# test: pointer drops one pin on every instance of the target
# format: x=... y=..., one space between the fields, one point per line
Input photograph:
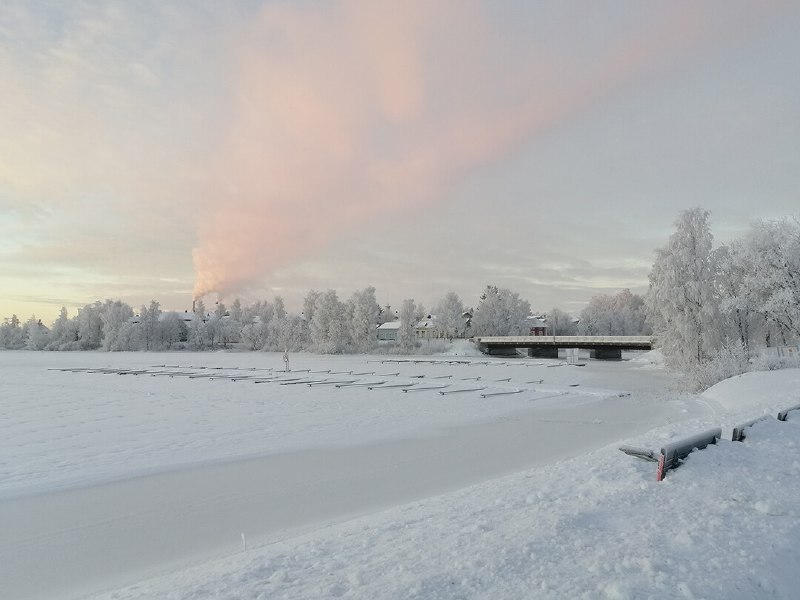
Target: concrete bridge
x=608 y=347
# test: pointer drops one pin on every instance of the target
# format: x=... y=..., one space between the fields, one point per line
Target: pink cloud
x=348 y=110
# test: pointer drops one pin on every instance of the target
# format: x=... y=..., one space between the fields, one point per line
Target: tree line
x=326 y=324
x=710 y=310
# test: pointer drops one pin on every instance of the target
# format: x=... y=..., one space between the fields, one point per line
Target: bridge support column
x=606 y=353
x=543 y=352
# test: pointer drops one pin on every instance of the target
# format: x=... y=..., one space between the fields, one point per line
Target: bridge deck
x=623 y=342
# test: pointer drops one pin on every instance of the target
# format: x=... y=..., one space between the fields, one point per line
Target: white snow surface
x=151 y=486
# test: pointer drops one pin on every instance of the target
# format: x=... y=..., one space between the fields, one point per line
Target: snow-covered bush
x=731 y=360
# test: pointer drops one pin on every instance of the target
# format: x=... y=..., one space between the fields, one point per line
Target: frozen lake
x=113 y=476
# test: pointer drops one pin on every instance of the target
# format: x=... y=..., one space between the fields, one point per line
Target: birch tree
x=364 y=320
x=114 y=316
x=501 y=312
x=621 y=314
x=772 y=282
x=327 y=329
x=682 y=303
x=36 y=334
x=407 y=334
x=450 y=316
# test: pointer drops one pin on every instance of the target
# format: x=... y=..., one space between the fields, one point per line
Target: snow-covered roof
x=535 y=321
x=427 y=322
x=390 y=325
x=186 y=316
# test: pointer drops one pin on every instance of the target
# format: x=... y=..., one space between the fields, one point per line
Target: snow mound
x=759 y=391
x=462 y=348
x=653 y=358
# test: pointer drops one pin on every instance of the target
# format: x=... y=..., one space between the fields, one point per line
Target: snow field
x=725 y=524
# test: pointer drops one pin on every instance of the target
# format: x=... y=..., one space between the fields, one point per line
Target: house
x=426 y=328
x=388 y=331
x=185 y=316
x=538 y=326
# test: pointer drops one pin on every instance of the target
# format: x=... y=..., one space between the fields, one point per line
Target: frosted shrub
x=772 y=361
x=729 y=361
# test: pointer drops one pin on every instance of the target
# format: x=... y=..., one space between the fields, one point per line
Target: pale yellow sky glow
x=161 y=150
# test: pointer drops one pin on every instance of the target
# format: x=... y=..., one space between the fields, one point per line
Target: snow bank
x=653 y=358
x=462 y=348
x=757 y=392
x=724 y=525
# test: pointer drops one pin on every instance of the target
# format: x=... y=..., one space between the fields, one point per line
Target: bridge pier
x=543 y=352
x=499 y=351
x=606 y=353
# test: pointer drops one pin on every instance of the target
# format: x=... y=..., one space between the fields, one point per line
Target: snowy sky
x=252 y=148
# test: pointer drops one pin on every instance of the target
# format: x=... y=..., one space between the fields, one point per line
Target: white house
x=388 y=331
x=426 y=328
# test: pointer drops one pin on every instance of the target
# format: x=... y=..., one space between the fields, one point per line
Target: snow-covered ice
x=66 y=429
x=110 y=480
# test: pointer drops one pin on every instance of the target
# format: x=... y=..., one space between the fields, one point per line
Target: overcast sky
x=165 y=149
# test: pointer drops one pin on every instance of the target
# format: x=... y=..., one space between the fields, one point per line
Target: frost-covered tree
x=36 y=334
x=682 y=303
x=772 y=280
x=420 y=312
x=407 y=334
x=280 y=309
x=276 y=330
x=149 y=323
x=737 y=303
x=621 y=314
x=171 y=331
x=251 y=336
x=561 y=323
x=200 y=308
x=450 y=316
x=364 y=320
x=130 y=337
x=262 y=311
x=11 y=335
x=287 y=333
x=256 y=320
x=632 y=314
x=63 y=333
x=328 y=329
x=213 y=329
x=197 y=335
x=58 y=330
x=387 y=315
x=114 y=316
x=229 y=331
x=500 y=312
x=90 y=326
x=309 y=302
x=237 y=312
x=599 y=317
